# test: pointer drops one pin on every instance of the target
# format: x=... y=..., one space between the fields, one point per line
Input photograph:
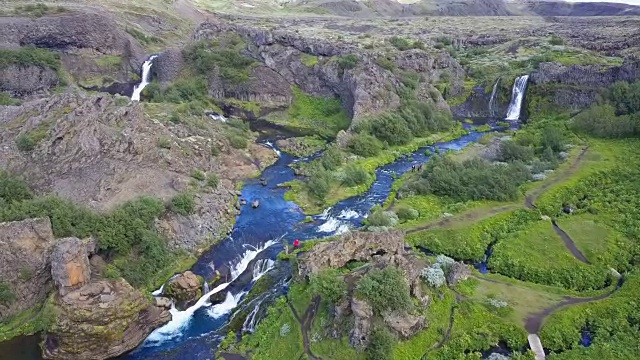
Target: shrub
x=330 y=285
x=434 y=276
x=510 y=151
x=347 y=62
x=355 y=175
x=30 y=56
x=183 y=204
x=386 y=63
x=364 y=145
x=391 y=129
x=7 y=297
x=319 y=184
x=237 y=141
x=444 y=262
x=332 y=159
x=5 y=99
x=13 y=189
x=174 y=117
x=164 y=143
x=198 y=175
x=406 y=213
x=380 y=218
x=285 y=329
x=400 y=43
x=207 y=55
x=553 y=138
x=213 y=181
x=25 y=143
x=556 y=40
x=384 y=289
x=381 y=344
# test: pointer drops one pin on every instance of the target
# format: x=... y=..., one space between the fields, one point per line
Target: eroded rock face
x=458 y=272
x=359 y=245
x=25 y=247
x=362 y=315
x=21 y=80
x=403 y=324
x=184 y=288
x=101 y=320
x=70 y=266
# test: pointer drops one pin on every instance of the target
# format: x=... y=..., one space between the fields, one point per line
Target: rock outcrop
x=25 y=248
x=403 y=324
x=359 y=245
x=362 y=316
x=21 y=80
x=184 y=288
x=101 y=320
x=578 y=86
x=457 y=273
x=70 y=266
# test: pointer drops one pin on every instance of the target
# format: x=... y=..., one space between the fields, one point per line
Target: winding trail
x=305 y=323
x=569 y=243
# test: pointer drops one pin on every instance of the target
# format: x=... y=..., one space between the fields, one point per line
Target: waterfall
x=229 y=303
x=249 y=324
x=261 y=267
x=205 y=287
x=145 y=78
x=272 y=147
x=492 y=101
x=159 y=291
x=517 y=94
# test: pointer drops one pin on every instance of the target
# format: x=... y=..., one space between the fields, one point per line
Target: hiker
x=296 y=243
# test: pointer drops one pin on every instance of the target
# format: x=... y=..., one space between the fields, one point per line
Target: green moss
x=30 y=56
x=308 y=59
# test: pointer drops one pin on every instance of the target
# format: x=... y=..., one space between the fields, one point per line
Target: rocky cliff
x=25 y=248
x=575 y=87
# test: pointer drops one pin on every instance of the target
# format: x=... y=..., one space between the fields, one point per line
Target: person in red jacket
x=296 y=243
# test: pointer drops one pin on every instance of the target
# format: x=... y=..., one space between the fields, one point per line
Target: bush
x=553 y=138
x=237 y=141
x=213 y=181
x=319 y=184
x=474 y=179
x=355 y=175
x=380 y=218
x=434 y=276
x=556 y=40
x=164 y=143
x=385 y=63
x=13 y=189
x=602 y=121
x=331 y=159
x=7 y=297
x=25 y=143
x=385 y=289
x=381 y=343
x=330 y=285
x=364 y=145
x=406 y=213
x=207 y=55
x=400 y=43
x=198 y=175
x=347 y=61
x=392 y=129
x=30 y=56
x=183 y=204
x=174 y=117
x=5 y=99
x=510 y=151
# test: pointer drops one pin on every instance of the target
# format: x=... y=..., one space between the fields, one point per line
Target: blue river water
x=255 y=240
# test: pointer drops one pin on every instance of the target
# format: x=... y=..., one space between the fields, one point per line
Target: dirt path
x=305 y=323
x=568 y=243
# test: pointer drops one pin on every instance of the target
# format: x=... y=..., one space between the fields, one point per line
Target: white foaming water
x=261 y=267
x=269 y=144
x=517 y=94
x=348 y=214
x=325 y=214
x=492 y=100
x=205 y=287
x=229 y=303
x=179 y=319
x=159 y=291
x=343 y=229
x=144 y=79
x=249 y=324
x=331 y=225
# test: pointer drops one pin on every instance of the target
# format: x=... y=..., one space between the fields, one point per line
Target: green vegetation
x=384 y=290
x=38 y=10
x=7 y=297
x=347 y=62
x=308 y=59
x=6 y=99
x=27 y=141
x=183 y=204
x=143 y=38
x=315 y=115
x=403 y=44
x=30 y=56
x=330 y=285
x=224 y=55
x=381 y=344
x=28 y=322
x=126 y=235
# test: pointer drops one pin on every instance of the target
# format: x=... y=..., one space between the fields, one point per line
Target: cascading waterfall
x=205 y=287
x=492 y=101
x=229 y=303
x=249 y=324
x=261 y=267
x=272 y=147
x=517 y=94
x=145 y=78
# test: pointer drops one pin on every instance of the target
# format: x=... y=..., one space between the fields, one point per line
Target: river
x=256 y=238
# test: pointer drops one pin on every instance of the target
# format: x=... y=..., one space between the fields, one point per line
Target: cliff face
x=25 y=247
x=575 y=87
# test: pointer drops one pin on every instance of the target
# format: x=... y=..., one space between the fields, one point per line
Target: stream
x=249 y=252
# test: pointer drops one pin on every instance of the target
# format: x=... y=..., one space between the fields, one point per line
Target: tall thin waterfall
x=517 y=94
x=492 y=101
x=145 y=78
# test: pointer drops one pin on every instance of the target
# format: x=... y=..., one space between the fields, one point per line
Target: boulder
x=255 y=203
x=403 y=324
x=458 y=272
x=101 y=320
x=162 y=302
x=184 y=288
x=359 y=245
x=362 y=316
x=25 y=248
x=70 y=266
